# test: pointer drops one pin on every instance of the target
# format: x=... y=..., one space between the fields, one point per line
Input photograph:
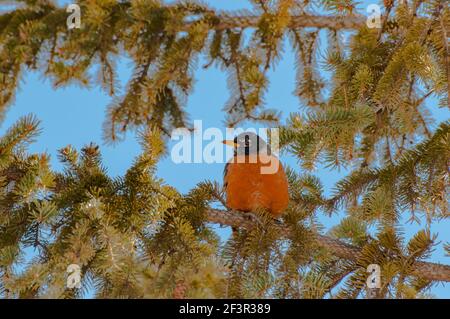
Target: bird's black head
x=248 y=143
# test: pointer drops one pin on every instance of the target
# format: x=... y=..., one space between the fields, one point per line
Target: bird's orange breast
x=247 y=189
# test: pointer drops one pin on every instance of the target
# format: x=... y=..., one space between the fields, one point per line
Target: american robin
x=247 y=186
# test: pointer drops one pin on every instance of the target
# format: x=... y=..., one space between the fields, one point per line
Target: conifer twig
x=426 y=270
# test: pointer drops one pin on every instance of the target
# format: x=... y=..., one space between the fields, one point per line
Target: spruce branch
x=424 y=270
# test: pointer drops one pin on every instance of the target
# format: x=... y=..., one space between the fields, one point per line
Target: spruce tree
x=137 y=237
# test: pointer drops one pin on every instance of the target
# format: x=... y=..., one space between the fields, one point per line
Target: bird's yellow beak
x=229 y=143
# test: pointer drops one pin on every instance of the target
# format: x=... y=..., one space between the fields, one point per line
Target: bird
x=246 y=187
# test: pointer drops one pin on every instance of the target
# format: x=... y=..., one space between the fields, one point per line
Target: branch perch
x=426 y=270
x=298 y=21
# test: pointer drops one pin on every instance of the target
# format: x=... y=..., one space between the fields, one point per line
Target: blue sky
x=74 y=116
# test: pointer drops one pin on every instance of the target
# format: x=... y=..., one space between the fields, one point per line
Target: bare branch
x=425 y=270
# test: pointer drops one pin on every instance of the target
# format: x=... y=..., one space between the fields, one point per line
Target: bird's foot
x=252 y=217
